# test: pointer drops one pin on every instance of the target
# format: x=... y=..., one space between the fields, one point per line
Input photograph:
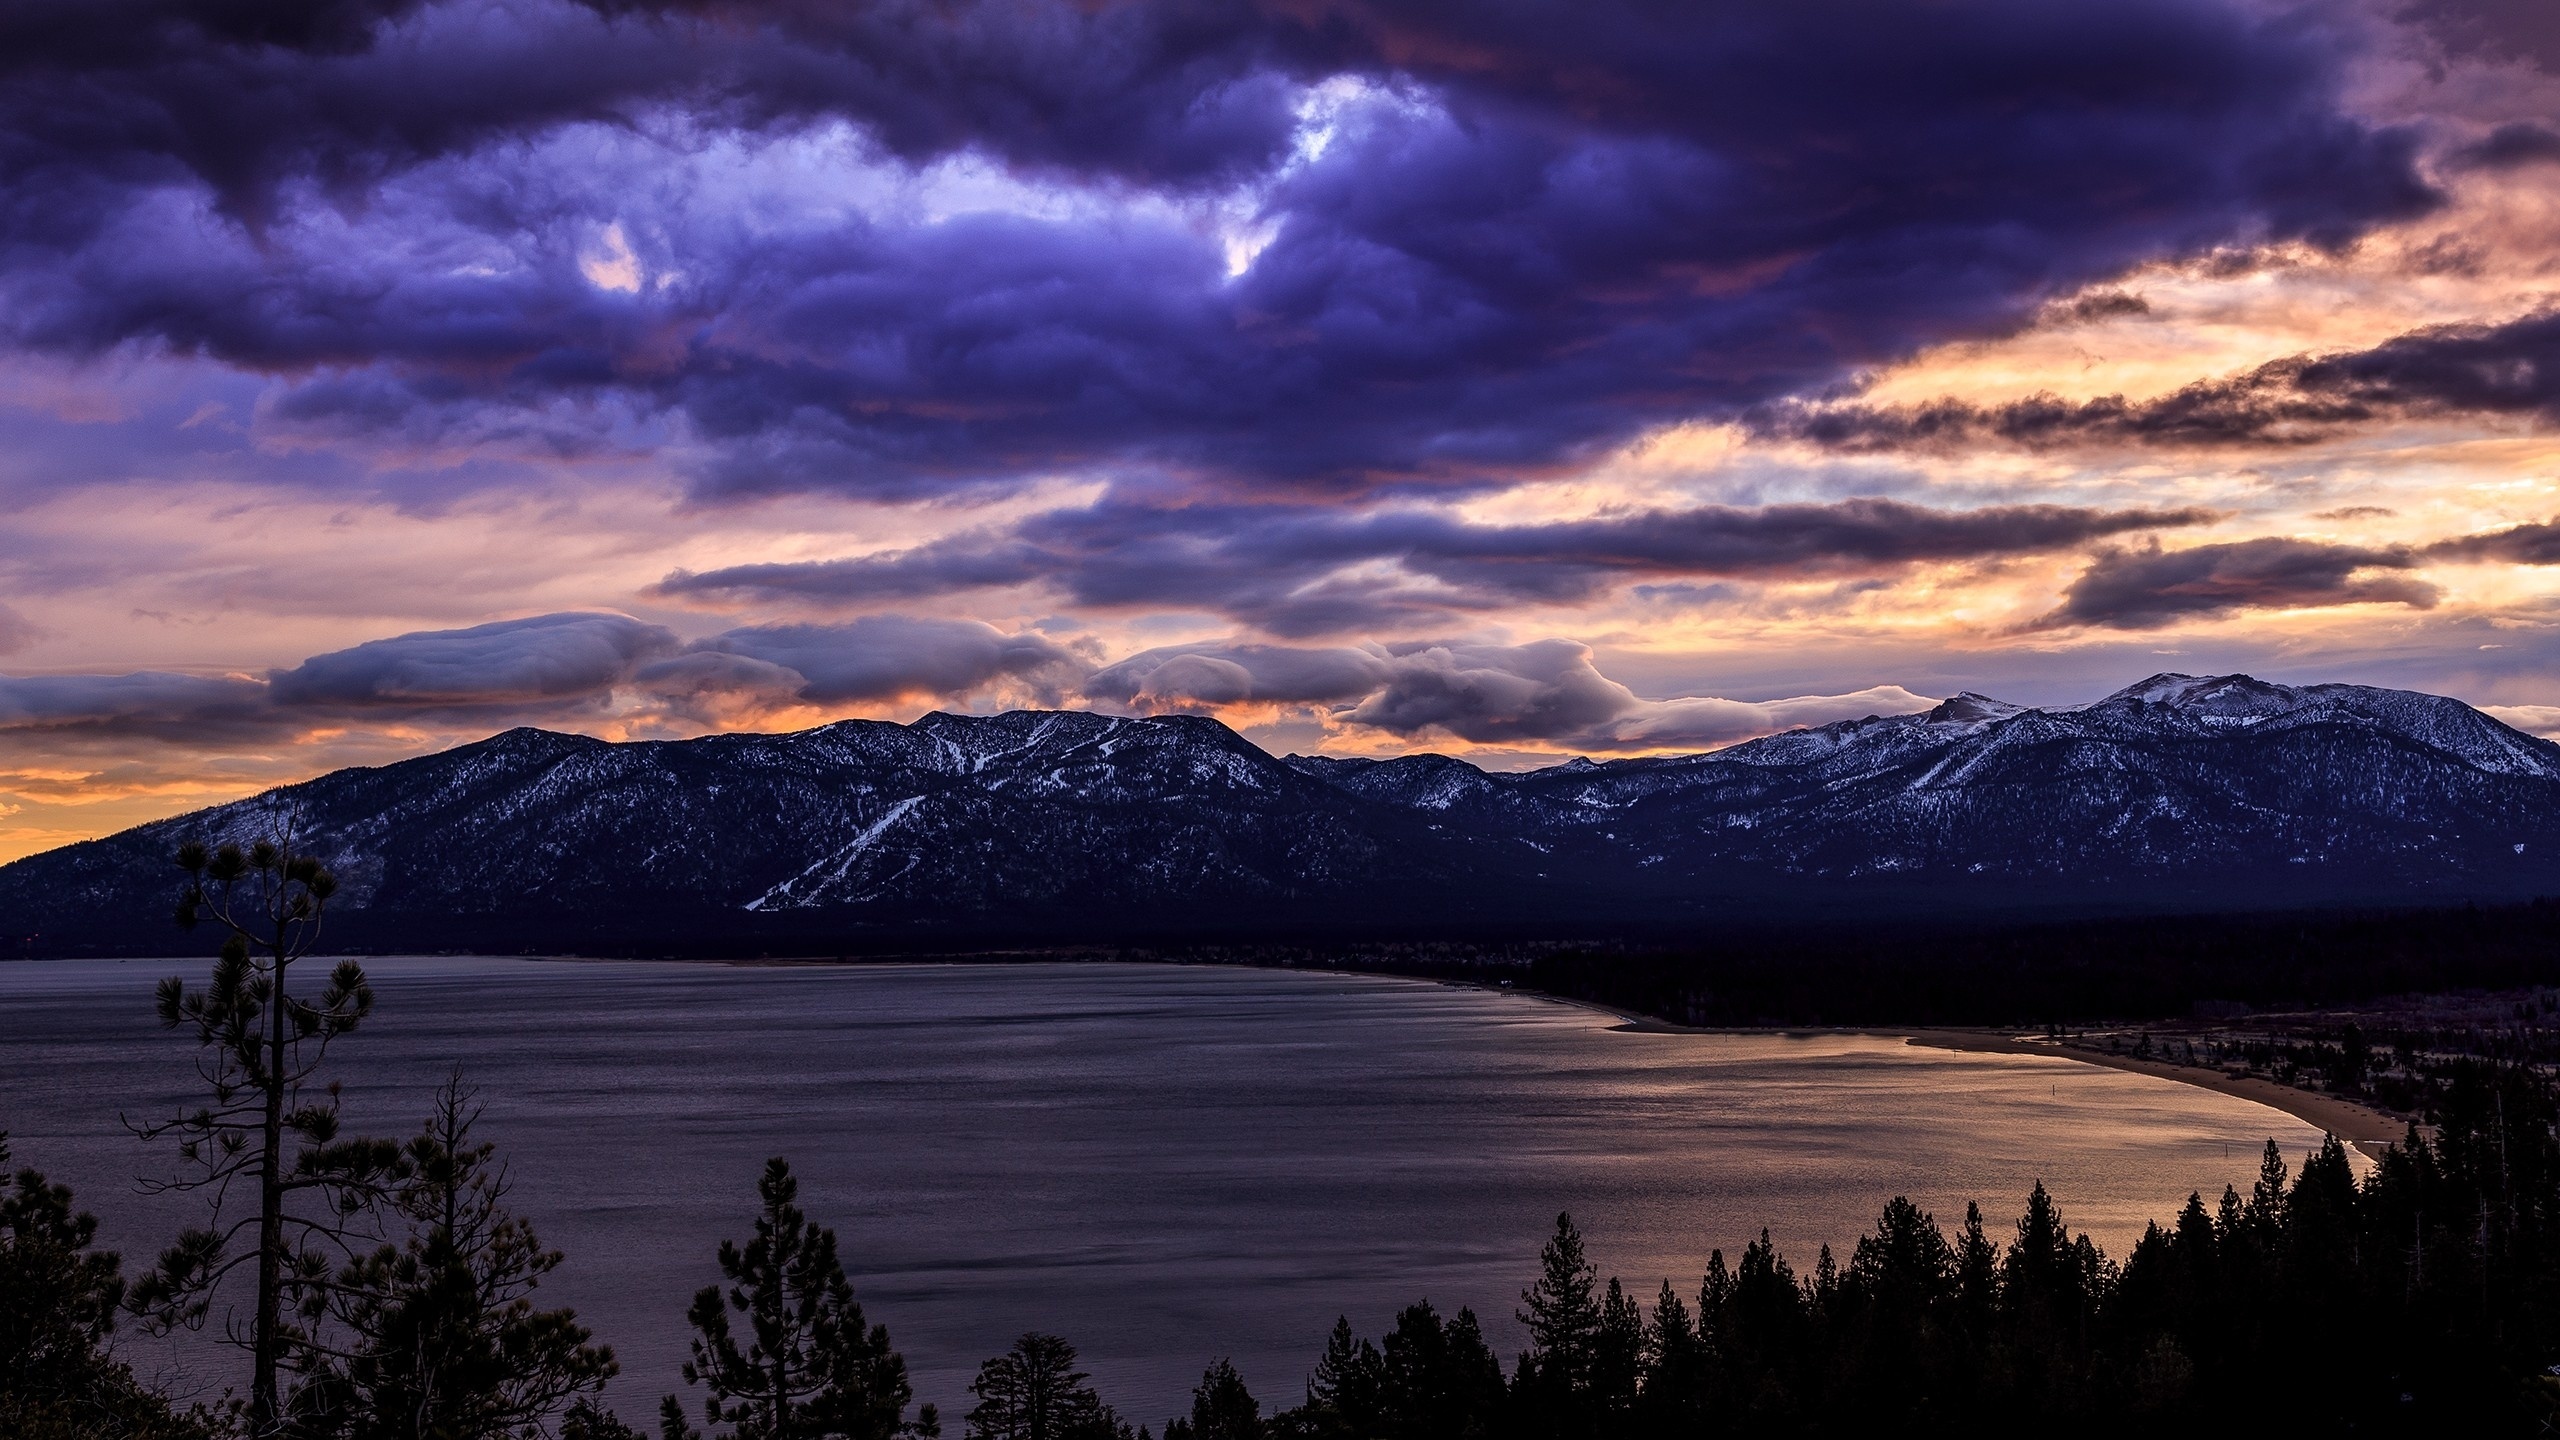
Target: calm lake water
x=1163 y=1164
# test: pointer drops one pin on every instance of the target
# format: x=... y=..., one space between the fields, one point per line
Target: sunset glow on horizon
x=1508 y=382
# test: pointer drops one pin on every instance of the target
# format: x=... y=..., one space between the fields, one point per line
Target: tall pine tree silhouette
x=1563 y=1313
x=808 y=1368
x=262 y=1047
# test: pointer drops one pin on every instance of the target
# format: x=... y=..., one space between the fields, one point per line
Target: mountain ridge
x=2165 y=793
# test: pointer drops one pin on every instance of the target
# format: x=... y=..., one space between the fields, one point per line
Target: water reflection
x=1164 y=1164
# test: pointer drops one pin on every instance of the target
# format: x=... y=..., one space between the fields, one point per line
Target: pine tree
x=2267 y=1199
x=1768 y=1305
x=263 y=1048
x=1343 y=1394
x=1977 y=1272
x=1439 y=1379
x=1893 y=1310
x=1035 y=1392
x=1822 y=1296
x=2044 y=1277
x=1221 y=1409
x=1617 y=1370
x=1906 y=1267
x=1715 y=1309
x=587 y=1420
x=809 y=1369
x=1562 y=1311
x=1673 y=1398
x=443 y=1337
x=58 y=1305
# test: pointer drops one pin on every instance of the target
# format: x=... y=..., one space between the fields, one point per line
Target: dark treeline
x=2066 y=972
x=384 y=1291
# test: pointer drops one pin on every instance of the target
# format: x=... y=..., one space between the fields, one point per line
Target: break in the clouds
x=2506 y=370
x=888 y=248
x=1299 y=571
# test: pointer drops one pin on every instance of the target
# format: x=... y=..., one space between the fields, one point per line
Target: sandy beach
x=2368 y=1129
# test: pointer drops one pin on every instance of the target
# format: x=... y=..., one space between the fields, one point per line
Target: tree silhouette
x=1221 y=1409
x=1342 y=1394
x=1035 y=1392
x=445 y=1340
x=58 y=1301
x=809 y=1369
x=1442 y=1381
x=260 y=1049
x=1562 y=1311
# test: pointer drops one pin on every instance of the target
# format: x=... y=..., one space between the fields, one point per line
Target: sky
x=1503 y=379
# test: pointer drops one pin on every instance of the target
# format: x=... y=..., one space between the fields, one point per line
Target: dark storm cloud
x=1538 y=230
x=542 y=658
x=2509 y=369
x=2509 y=147
x=1306 y=571
x=2526 y=30
x=2146 y=589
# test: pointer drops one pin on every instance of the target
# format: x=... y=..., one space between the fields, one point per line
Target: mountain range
x=2179 y=792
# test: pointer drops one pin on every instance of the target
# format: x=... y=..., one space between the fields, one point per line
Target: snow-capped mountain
x=2174 y=790
x=2175 y=778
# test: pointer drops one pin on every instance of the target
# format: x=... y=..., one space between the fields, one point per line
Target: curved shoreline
x=2368 y=1129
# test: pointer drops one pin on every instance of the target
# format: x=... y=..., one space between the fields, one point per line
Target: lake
x=1164 y=1164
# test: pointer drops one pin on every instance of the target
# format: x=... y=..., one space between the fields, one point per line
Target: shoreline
x=2368 y=1129
x=2365 y=1128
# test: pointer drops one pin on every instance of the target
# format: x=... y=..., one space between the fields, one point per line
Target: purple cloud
x=511 y=662
x=2509 y=147
x=2531 y=544
x=1546 y=692
x=886 y=657
x=17 y=632
x=2147 y=589
x=1307 y=571
x=1216 y=673
x=2509 y=369
x=1483 y=242
x=149 y=702
x=552 y=669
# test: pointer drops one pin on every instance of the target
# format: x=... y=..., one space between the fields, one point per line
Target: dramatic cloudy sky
x=1516 y=379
